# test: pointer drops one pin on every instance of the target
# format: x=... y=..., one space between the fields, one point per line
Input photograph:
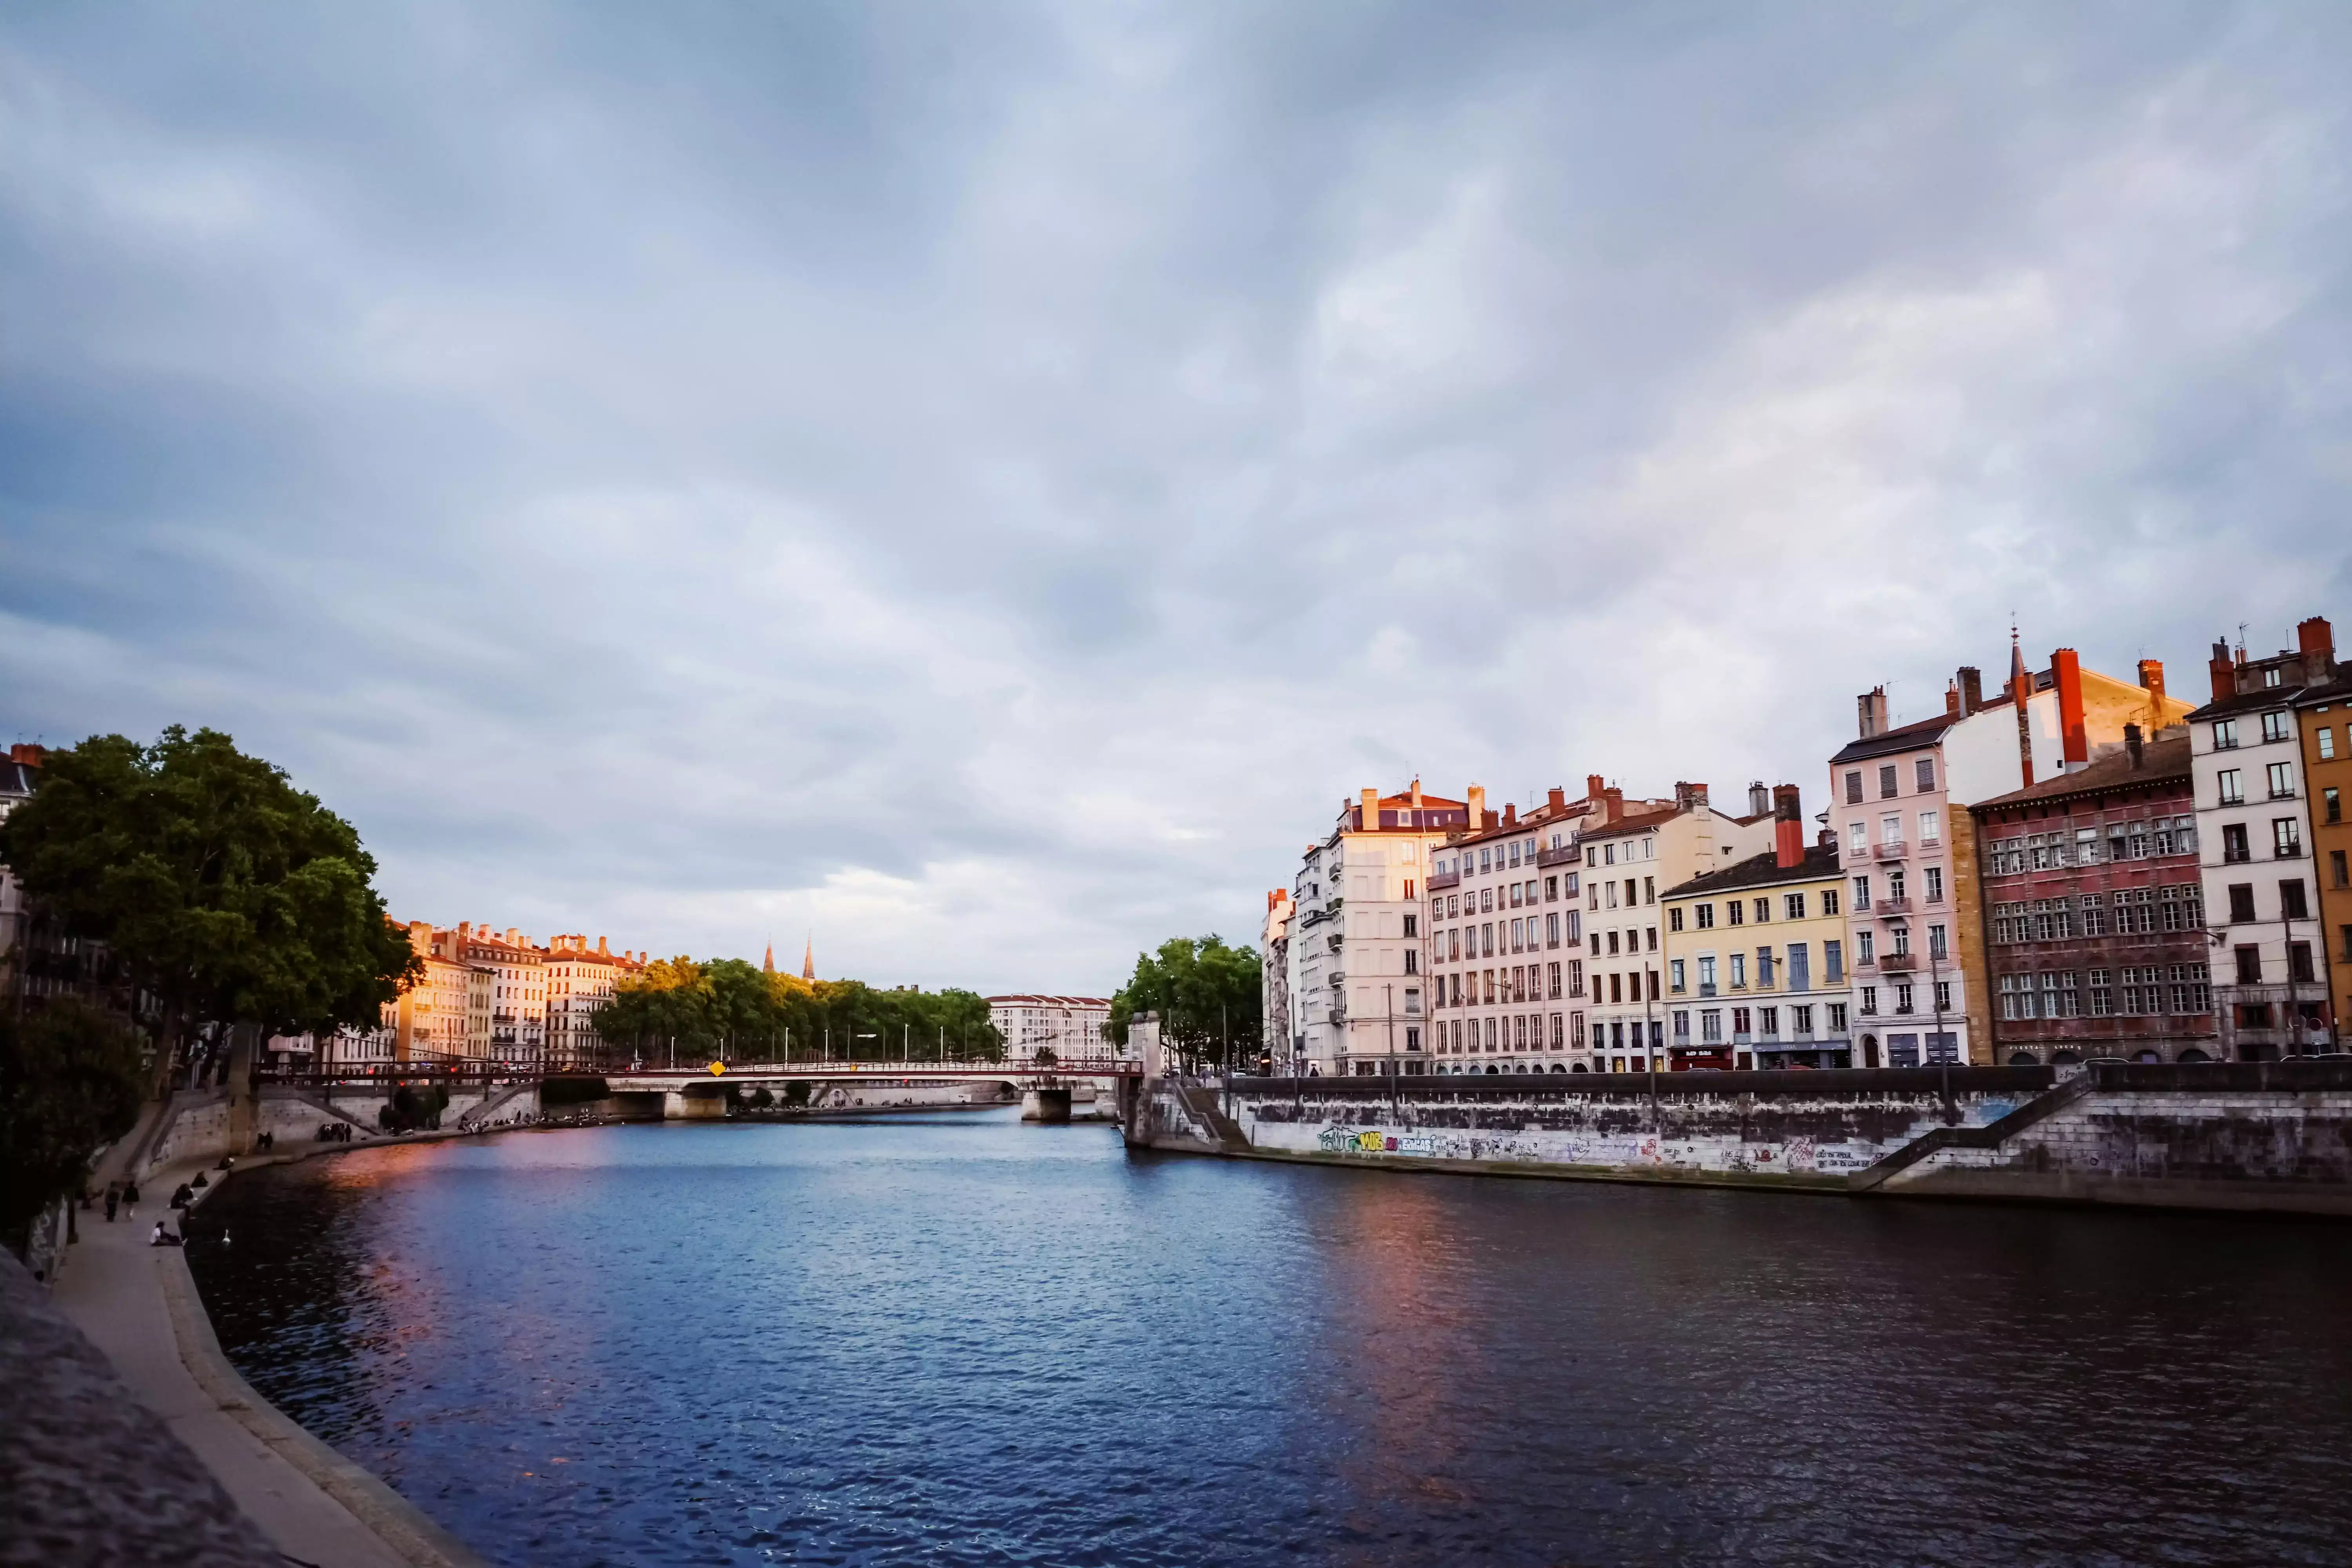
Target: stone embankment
x=2256 y=1136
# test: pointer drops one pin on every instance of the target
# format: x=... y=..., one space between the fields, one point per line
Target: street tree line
x=1207 y=996
x=682 y=1010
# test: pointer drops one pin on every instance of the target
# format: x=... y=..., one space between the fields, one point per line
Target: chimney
x=27 y=752
x=1972 y=689
x=1788 y=828
x=420 y=936
x=1510 y=815
x=1477 y=807
x=2066 y=672
x=1689 y=797
x=1952 y=700
x=1759 y=799
x=1613 y=805
x=1872 y=708
x=2151 y=678
x=2225 y=673
x=601 y=948
x=2315 y=640
x=2132 y=744
x=1367 y=811
x=1556 y=799
x=1592 y=786
x=514 y=937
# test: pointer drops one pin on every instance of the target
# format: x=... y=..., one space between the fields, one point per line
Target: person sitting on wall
x=228 y=1162
x=200 y=1183
x=162 y=1237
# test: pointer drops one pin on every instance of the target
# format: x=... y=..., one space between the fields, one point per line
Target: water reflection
x=971 y=1341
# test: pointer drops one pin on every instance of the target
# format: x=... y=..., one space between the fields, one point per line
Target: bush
x=70 y=1083
x=796 y=1092
x=761 y=1098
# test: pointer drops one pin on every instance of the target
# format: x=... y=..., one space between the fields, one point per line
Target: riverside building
x=1898 y=800
x=1355 y=941
x=579 y=979
x=1630 y=856
x=1069 y=1027
x=2324 y=712
x=1755 y=956
x=1503 y=947
x=1273 y=974
x=2254 y=831
x=2093 y=910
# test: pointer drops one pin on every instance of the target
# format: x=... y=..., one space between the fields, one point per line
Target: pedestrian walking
x=113 y=1199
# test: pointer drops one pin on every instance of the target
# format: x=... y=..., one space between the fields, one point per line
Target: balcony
x=1894 y=849
x=1885 y=907
x=1441 y=880
x=1898 y=962
x=1707 y=987
x=1569 y=857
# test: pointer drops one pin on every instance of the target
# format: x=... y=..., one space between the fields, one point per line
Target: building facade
x=1755 y=957
x=2323 y=713
x=579 y=979
x=1273 y=976
x=1898 y=800
x=2093 y=911
x=516 y=1018
x=1069 y=1027
x=1356 y=942
x=1503 y=945
x=2255 y=833
x=1631 y=856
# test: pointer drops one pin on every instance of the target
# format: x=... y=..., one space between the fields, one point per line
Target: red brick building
x=2095 y=927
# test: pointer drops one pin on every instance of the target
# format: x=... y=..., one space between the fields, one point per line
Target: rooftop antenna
x=2242 y=637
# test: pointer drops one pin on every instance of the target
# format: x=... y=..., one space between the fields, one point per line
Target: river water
x=960 y=1340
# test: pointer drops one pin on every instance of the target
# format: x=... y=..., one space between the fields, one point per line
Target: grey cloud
x=987 y=482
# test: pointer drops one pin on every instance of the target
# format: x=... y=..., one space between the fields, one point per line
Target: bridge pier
x=1048 y=1105
x=679 y=1105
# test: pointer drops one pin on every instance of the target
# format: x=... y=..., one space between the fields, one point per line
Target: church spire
x=808 y=959
x=768 y=964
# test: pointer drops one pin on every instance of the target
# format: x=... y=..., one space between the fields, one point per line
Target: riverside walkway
x=138 y=1304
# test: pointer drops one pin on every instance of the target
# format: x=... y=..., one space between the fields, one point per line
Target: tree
x=226 y=894
x=1207 y=996
x=69 y=1084
x=728 y=1008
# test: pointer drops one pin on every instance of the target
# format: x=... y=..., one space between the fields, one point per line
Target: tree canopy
x=1208 y=998
x=223 y=891
x=69 y=1083
x=727 y=1008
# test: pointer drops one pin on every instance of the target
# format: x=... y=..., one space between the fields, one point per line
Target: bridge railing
x=1084 y=1067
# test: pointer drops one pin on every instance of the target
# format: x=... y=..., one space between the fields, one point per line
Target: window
x=1675 y=917
x=1551 y=930
x=1936 y=947
x=2326 y=743
x=1833 y=960
x=2234 y=844
x=2275 y=727
x=2282 y=781
x=1710 y=1024
x=1829 y=901
x=1736 y=911
x=1861 y=895
x=2182 y=906
x=1837 y=1018
x=2298 y=963
x=1764 y=968
x=2232 y=787
x=1854 y=787
x=1869 y=1002
x=1739 y=972
x=1707 y=974
x=1931 y=826
x=1866 y=948
x=1706 y=916
x=1857 y=838
x=1412 y=925
x=2225 y=734
x=2101 y=993
x=1412 y=963
x=2337 y=870
x=2241 y=903
x=1890 y=829
x=1924 y=772
x=2331 y=805
x=1649 y=890
x=1792 y=906
x=2191 y=988
x=1935 y=875
x=1674 y=975
x=2250 y=965
x=2286 y=837
x=1943 y=996
x=1763 y=911
x=2292 y=905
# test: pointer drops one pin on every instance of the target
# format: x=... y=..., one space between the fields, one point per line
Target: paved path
x=138 y=1304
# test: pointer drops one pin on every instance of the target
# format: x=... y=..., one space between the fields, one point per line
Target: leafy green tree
x=1207 y=996
x=726 y=1008
x=222 y=891
x=69 y=1084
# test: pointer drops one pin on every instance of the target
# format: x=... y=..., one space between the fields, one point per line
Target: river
x=960 y=1340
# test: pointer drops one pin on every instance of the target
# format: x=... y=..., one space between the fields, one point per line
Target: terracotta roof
x=1537 y=816
x=2162 y=762
x=1632 y=822
x=2253 y=701
x=1902 y=738
x=1764 y=870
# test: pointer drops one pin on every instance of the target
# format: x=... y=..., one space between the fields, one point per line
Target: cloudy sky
x=983 y=482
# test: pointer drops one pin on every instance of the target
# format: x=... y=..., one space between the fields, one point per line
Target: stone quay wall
x=2273 y=1136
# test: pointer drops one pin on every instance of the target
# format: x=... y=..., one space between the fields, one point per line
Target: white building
x=2253 y=837
x=1069 y=1027
x=1356 y=945
x=1274 y=976
x=579 y=979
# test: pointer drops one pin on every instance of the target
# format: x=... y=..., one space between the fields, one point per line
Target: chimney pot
x=1477 y=794
x=1972 y=689
x=2315 y=640
x=2151 y=678
x=1557 y=799
x=2067 y=674
x=1871 y=709
x=1510 y=815
x=1593 y=784
x=1788 y=826
x=1367 y=811
x=2132 y=744
x=1613 y=805
x=1759 y=799
x=2224 y=672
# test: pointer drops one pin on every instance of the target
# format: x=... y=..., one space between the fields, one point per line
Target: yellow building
x=1756 y=965
x=2323 y=715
